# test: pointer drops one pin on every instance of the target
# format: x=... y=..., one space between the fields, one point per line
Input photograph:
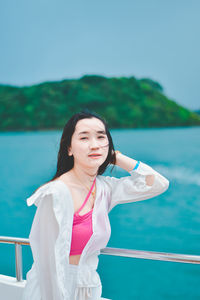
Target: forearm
x=128 y=164
x=125 y=162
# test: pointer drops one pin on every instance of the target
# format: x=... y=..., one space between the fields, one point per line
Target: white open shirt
x=51 y=231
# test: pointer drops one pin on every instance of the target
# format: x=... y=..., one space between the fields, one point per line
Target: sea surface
x=169 y=222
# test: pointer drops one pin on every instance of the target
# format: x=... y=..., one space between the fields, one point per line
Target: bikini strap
x=88 y=195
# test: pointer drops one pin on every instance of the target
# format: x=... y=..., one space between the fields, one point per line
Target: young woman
x=71 y=223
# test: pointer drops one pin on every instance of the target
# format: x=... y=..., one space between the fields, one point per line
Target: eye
x=102 y=136
x=83 y=138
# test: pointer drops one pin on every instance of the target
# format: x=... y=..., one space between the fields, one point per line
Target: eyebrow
x=85 y=132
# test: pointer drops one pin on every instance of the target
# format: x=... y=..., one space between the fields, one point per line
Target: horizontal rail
x=174 y=257
x=14 y=240
x=163 y=256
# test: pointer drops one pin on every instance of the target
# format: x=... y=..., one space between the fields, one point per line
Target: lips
x=94 y=154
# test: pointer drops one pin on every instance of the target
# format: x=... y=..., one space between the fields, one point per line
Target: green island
x=125 y=102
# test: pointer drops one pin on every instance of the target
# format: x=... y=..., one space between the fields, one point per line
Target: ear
x=69 y=151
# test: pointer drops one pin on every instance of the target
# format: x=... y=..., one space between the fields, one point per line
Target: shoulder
x=104 y=181
x=101 y=179
x=53 y=188
x=105 y=178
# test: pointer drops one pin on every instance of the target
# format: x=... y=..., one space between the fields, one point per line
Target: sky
x=46 y=40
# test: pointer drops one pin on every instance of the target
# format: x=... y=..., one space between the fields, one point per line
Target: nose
x=94 y=143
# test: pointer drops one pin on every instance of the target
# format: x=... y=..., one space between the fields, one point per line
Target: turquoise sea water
x=167 y=223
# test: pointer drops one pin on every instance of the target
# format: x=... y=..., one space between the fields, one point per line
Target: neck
x=84 y=175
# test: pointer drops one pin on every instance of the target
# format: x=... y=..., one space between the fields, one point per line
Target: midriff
x=74 y=259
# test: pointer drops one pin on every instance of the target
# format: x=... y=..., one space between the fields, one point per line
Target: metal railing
x=174 y=257
x=18 y=252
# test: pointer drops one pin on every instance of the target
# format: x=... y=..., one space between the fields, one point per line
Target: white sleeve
x=43 y=235
x=134 y=188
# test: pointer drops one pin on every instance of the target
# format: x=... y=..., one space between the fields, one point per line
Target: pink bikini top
x=82 y=228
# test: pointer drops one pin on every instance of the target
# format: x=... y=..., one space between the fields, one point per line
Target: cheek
x=81 y=147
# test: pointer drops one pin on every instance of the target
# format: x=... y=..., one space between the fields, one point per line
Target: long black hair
x=66 y=162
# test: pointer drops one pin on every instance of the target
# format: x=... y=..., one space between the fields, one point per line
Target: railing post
x=18 y=261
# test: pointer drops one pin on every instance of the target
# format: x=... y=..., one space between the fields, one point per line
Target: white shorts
x=83 y=292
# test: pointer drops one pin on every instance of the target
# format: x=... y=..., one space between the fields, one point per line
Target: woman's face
x=89 y=138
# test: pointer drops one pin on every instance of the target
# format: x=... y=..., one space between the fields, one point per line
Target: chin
x=96 y=164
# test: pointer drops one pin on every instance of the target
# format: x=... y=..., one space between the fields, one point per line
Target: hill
x=125 y=102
